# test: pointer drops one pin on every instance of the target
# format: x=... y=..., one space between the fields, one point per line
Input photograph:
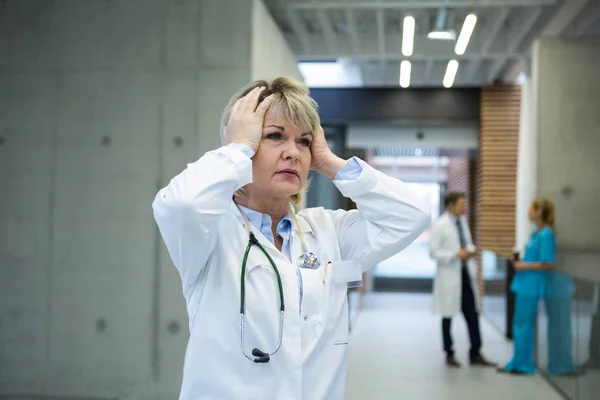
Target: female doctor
x=266 y=288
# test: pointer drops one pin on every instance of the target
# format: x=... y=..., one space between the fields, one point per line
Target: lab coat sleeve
x=388 y=218
x=190 y=207
x=436 y=246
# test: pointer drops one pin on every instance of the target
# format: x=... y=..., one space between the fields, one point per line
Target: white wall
x=455 y=137
x=526 y=169
x=272 y=57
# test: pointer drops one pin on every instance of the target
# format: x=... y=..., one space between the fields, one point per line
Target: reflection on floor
x=395 y=353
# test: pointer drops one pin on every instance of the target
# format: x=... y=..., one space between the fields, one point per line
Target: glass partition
x=567 y=351
x=494 y=270
x=568 y=337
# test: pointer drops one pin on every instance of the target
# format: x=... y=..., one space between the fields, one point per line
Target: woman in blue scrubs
x=530 y=285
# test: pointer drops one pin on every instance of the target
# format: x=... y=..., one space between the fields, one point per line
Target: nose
x=291 y=152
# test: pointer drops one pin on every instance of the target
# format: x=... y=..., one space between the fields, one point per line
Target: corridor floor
x=395 y=353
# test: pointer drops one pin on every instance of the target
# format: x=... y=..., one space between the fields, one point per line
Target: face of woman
x=534 y=214
x=281 y=164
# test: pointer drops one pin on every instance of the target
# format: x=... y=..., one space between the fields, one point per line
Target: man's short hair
x=451 y=198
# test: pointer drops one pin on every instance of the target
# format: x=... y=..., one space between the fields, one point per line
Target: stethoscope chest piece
x=308 y=260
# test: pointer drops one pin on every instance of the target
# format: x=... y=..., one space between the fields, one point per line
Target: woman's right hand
x=246 y=120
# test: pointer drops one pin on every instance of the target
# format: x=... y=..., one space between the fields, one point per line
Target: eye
x=305 y=142
x=273 y=136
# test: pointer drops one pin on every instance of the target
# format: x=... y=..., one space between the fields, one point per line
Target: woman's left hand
x=323 y=160
x=319 y=150
x=519 y=265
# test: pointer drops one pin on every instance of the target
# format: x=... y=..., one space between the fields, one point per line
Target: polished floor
x=395 y=353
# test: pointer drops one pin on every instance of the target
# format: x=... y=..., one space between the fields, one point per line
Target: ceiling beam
x=330 y=37
x=415 y=57
x=561 y=20
x=299 y=29
x=564 y=17
x=488 y=41
x=588 y=20
x=380 y=32
x=370 y=5
x=428 y=69
x=353 y=30
x=515 y=41
x=381 y=42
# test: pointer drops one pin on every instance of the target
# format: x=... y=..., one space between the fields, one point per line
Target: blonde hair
x=547 y=211
x=292 y=99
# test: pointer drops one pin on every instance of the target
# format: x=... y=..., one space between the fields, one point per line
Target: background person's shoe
x=503 y=370
x=451 y=362
x=478 y=360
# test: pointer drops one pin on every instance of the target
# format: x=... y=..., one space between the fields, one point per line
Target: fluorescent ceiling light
x=405 y=68
x=442 y=35
x=408 y=35
x=450 y=73
x=465 y=34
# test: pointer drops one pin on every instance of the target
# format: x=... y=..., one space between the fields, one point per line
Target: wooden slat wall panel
x=460 y=180
x=497 y=169
x=459 y=176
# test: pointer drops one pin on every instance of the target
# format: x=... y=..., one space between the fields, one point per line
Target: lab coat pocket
x=312 y=300
x=335 y=300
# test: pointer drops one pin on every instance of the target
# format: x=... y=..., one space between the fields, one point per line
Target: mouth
x=289 y=173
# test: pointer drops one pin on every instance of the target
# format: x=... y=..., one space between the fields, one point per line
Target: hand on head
x=246 y=119
x=319 y=150
x=246 y=126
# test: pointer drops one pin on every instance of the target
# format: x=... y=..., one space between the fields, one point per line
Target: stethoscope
x=306 y=260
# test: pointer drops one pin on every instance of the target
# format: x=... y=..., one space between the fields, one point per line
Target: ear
x=224 y=139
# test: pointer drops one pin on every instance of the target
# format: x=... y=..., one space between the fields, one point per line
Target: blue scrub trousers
x=560 y=358
x=524 y=333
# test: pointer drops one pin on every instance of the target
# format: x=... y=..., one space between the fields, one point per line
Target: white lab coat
x=206 y=239
x=447 y=284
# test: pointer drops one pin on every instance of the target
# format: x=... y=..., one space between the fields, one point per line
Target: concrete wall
x=101 y=103
x=567 y=104
x=271 y=55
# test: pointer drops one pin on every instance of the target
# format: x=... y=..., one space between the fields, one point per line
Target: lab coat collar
x=452 y=217
x=305 y=226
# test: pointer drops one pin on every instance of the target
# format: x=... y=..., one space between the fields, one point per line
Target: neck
x=539 y=224
x=274 y=207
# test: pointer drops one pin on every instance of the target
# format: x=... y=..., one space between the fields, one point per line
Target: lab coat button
x=305 y=317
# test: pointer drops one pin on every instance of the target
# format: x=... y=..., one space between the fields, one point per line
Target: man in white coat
x=455 y=284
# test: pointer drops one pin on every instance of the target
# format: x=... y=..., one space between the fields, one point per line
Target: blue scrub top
x=541 y=247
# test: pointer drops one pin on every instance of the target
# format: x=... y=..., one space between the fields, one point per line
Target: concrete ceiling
x=366 y=35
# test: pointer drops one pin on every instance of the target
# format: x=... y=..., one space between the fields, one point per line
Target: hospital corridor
x=396 y=353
